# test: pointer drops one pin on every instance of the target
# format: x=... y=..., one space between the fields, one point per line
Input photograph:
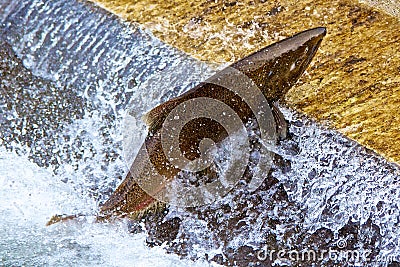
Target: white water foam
x=30 y=195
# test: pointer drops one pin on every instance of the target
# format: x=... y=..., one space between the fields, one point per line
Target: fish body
x=273 y=69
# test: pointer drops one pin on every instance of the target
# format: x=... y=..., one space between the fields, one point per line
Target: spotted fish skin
x=274 y=69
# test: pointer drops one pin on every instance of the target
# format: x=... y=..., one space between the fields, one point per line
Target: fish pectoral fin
x=150 y=118
x=156 y=116
x=281 y=123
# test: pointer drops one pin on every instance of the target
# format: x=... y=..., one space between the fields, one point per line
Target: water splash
x=63 y=101
x=68 y=71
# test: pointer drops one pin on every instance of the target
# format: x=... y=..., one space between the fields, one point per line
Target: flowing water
x=69 y=71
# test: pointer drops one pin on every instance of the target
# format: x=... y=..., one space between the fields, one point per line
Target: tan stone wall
x=390 y=6
x=353 y=84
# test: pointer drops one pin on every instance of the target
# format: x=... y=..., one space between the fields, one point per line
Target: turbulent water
x=68 y=73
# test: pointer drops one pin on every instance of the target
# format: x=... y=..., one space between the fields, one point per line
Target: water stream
x=69 y=70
